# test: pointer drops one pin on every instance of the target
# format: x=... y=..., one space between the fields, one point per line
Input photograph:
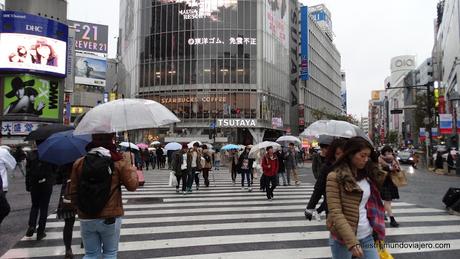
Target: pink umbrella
x=142 y=145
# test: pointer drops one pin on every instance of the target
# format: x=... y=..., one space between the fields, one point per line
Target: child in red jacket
x=270 y=169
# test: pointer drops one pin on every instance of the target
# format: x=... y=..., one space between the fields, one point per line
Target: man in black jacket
x=40 y=178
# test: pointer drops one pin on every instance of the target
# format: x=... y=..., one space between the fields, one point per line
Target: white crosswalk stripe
x=227 y=222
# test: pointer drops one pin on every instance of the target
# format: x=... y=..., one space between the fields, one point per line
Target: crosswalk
x=224 y=221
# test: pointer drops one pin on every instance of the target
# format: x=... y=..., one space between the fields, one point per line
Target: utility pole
x=429 y=122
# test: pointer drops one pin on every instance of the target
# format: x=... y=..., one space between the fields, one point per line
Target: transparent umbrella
x=334 y=128
x=123 y=115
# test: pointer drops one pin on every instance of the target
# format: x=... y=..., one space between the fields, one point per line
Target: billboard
x=278 y=20
x=304 y=43
x=90 y=70
x=32 y=44
x=33 y=96
x=90 y=37
x=375 y=95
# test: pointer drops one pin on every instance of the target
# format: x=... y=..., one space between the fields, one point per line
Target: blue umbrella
x=230 y=147
x=63 y=147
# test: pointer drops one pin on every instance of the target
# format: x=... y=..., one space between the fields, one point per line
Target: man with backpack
x=40 y=178
x=95 y=189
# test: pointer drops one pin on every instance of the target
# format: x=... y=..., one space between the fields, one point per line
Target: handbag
x=172 y=179
x=399 y=178
x=140 y=177
x=383 y=253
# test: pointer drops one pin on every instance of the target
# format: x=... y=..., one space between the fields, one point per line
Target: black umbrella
x=46 y=131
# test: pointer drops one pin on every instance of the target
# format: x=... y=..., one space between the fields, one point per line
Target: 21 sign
x=90 y=36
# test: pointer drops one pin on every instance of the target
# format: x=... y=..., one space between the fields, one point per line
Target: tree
x=392 y=137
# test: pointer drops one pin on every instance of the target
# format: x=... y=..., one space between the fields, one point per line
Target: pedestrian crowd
x=357 y=185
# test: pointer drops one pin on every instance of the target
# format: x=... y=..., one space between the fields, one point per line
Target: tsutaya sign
x=242 y=123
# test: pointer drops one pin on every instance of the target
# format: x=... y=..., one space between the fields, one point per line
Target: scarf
x=115 y=155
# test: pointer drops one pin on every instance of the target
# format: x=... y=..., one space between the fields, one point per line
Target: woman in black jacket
x=333 y=153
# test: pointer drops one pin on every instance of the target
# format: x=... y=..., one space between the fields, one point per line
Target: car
x=405 y=157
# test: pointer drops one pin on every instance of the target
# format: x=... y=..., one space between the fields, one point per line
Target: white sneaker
x=317 y=215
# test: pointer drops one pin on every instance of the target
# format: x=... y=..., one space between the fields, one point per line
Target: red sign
x=441 y=105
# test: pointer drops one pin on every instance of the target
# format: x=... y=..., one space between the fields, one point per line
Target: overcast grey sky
x=368 y=34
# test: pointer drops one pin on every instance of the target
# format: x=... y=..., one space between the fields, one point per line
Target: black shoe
x=394 y=224
x=30 y=232
x=40 y=235
x=68 y=254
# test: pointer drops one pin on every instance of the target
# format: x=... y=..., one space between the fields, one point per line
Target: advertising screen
x=29 y=95
x=90 y=36
x=33 y=44
x=90 y=70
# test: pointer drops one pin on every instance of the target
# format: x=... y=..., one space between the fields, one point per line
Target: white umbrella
x=156 y=142
x=129 y=144
x=123 y=115
x=334 y=128
x=190 y=145
x=173 y=146
x=289 y=139
x=263 y=145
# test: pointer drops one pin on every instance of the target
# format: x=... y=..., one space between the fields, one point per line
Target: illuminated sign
x=90 y=37
x=217 y=40
x=90 y=70
x=32 y=44
x=205 y=99
x=244 y=123
x=18 y=127
x=28 y=95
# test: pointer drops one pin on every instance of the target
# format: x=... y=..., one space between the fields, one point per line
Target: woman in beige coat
x=356 y=212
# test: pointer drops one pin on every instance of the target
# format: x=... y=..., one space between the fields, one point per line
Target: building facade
x=377 y=116
x=213 y=63
x=446 y=56
x=322 y=91
x=400 y=67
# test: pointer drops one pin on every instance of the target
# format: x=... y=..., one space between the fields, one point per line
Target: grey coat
x=291 y=162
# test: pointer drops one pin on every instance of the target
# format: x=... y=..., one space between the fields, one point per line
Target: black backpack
x=94 y=187
x=37 y=170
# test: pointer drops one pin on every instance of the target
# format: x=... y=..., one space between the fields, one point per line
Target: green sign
x=30 y=95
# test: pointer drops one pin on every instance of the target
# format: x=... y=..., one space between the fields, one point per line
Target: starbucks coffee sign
x=239 y=123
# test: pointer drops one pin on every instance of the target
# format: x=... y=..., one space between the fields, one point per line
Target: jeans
x=206 y=176
x=184 y=180
x=245 y=174
x=4 y=207
x=294 y=173
x=98 y=235
x=190 y=177
x=40 y=195
x=340 y=251
x=216 y=164
x=270 y=185
x=233 y=172
x=283 y=176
